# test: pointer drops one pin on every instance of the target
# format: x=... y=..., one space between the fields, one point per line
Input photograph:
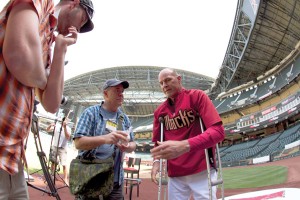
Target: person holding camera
x=27 y=68
x=62 y=134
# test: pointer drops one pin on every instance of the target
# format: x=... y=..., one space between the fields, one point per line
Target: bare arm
x=22 y=51
x=50 y=127
x=66 y=131
x=50 y=97
x=155 y=171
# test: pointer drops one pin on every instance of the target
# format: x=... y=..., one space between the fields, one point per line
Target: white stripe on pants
x=181 y=188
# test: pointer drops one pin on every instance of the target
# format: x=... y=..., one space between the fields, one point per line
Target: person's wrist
x=187 y=146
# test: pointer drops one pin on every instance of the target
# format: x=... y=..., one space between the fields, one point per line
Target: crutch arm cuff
x=154 y=161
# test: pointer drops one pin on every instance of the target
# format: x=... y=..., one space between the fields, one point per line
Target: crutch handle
x=164 y=181
x=161 y=119
x=217 y=182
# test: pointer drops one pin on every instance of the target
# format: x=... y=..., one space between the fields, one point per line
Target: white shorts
x=61 y=154
x=196 y=185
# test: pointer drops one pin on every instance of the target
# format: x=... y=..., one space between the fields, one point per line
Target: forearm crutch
x=162 y=172
x=219 y=180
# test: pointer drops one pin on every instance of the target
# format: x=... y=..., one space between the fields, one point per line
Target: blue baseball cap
x=115 y=82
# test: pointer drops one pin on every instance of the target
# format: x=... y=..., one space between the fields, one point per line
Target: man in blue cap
x=101 y=127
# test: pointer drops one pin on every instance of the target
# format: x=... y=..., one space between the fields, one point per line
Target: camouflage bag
x=91 y=178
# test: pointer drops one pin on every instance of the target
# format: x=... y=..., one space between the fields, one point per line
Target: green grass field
x=40 y=171
x=245 y=177
x=236 y=178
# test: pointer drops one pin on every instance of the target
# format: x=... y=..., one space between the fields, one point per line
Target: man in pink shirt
x=183 y=144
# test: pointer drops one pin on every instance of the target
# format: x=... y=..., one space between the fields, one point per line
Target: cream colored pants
x=13 y=187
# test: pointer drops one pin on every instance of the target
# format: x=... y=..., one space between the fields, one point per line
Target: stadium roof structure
x=143 y=94
x=263 y=34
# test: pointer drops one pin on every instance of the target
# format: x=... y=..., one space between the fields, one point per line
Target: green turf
x=235 y=178
x=34 y=171
x=39 y=171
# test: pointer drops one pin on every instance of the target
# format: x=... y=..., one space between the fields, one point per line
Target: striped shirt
x=16 y=99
